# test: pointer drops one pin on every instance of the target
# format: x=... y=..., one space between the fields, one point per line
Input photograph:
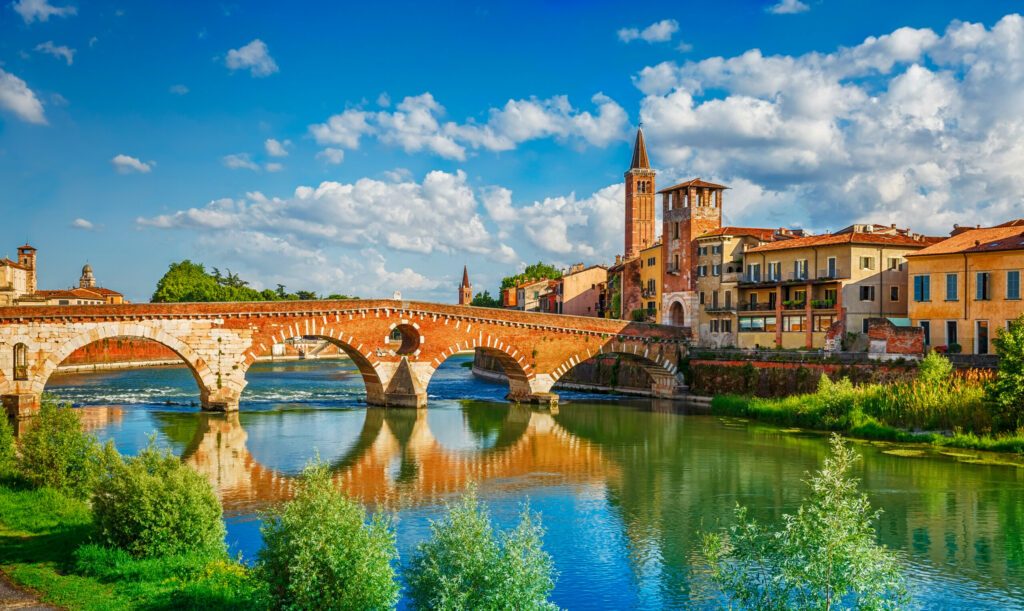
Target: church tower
x=87 y=279
x=465 y=289
x=639 y=200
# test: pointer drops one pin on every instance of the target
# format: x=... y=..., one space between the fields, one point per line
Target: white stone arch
x=678 y=303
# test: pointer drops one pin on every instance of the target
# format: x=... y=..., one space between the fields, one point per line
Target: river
x=624 y=486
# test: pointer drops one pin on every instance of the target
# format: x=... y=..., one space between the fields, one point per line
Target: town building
x=792 y=291
x=528 y=294
x=18 y=278
x=651 y=277
x=579 y=290
x=18 y=285
x=966 y=288
x=465 y=289
x=689 y=210
x=719 y=268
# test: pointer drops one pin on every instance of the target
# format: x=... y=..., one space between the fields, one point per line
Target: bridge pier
x=220 y=400
x=404 y=386
x=535 y=391
x=21 y=405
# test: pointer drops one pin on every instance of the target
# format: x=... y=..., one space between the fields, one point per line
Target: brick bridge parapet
x=396 y=345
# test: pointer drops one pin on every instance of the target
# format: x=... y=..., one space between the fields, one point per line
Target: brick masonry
x=219 y=341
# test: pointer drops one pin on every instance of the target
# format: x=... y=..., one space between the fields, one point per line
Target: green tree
x=484 y=300
x=306 y=295
x=935 y=370
x=152 y=505
x=537 y=271
x=823 y=557
x=341 y=296
x=320 y=553
x=56 y=452
x=1006 y=391
x=464 y=566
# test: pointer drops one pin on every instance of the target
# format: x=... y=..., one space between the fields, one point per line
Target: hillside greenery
x=188 y=282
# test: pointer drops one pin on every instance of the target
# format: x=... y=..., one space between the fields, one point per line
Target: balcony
x=717 y=309
x=823 y=304
x=793 y=278
x=757 y=307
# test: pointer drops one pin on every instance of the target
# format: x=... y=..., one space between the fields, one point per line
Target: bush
x=934 y=369
x=320 y=553
x=8 y=457
x=56 y=452
x=1007 y=390
x=463 y=565
x=154 y=505
x=824 y=556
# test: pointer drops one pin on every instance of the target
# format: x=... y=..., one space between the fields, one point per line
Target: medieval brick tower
x=465 y=289
x=27 y=259
x=639 y=200
x=689 y=210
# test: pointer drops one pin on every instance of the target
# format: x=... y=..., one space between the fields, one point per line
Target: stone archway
x=677 y=314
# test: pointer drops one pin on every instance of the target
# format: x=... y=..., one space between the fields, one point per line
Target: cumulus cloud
x=41 y=10
x=83 y=224
x=58 y=51
x=788 y=7
x=178 y=89
x=254 y=57
x=126 y=164
x=16 y=97
x=332 y=156
x=913 y=127
x=273 y=167
x=239 y=161
x=276 y=148
x=659 y=31
x=417 y=124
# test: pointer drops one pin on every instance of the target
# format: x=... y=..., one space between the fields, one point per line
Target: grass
x=44 y=546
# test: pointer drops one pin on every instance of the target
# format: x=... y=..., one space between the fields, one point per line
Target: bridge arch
x=660 y=367
x=512 y=360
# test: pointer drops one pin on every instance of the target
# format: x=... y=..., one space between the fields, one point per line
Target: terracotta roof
x=103 y=291
x=1008 y=236
x=9 y=263
x=845 y=238
x=98 y=294
x=694 y=182
x=640 y=161
x=765 y=235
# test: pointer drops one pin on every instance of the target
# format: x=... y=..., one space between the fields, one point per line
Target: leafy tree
x=320 y=553
x=934 y=370
x=537 y=271
x=305 y=295
x=153 y=505
x=464 y=566
x=190 y=282
x=1006 y=391
x=823 y=557
x=341 y=296
x=56 y=452
x=484 y=300
x=280 y=290
x=8 y=458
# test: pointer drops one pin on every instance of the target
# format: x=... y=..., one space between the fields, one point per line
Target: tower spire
x=465 y=289
x=640 y=161
x=465 y=276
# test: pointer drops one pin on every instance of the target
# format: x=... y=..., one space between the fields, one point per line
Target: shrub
x=8 y=458
x=56 y=451
x=154 y=505
x=824 y=556
x=934 y=369
x=320 y=553
x=1007 y=390
x=464 y=566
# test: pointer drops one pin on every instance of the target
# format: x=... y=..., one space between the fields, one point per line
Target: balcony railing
x=720 y=308
x=757 y=307
x=823 y=275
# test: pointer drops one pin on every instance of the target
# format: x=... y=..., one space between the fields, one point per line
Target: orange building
x=966 y=288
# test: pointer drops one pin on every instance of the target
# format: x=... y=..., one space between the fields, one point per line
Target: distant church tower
x=87 y=280
x=639 y=200
x=465 y=289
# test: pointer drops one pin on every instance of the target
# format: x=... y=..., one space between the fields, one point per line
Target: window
x=63 y=302
x=675 y=231
x=981 y=337
x=922 y=288
x=927 y=326
x=702 y=298
x=757 y=324
x=794 y=323
x=1013 y=284
x=952 y=337
x=651 y=309
x=20 y=362
x=800 y=296
x=728 y=299
x=867 y=293
x=832 y=270
x=651 y=262
x=754 y=272
x=714 y=326
x=727 y=326
x=702 y=270
x=774 y=270
x=982 y=286
x=952 y=291
x=894 y=263
x=800 y=269
x=714 y=300
x=823 y=321
x=894 y=293
x=675 y=262
x=864 y=326
x=716 y=270
x=867 y=263
x=831 y=294
x=716 y=249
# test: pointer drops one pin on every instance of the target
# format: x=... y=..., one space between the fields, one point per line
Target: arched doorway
x=677 y=316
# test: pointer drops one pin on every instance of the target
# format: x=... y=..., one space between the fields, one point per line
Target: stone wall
x=606 y=373
x=780 y=379
x=120 y=350
x=895 y=340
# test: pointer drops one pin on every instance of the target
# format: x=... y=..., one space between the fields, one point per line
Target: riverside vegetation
x=970 y=410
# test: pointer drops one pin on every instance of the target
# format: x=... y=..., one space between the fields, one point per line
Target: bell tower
x=639 y=200
x=465 y=289
x=27 y=259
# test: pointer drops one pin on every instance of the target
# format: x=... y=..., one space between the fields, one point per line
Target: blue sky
x=371 y=147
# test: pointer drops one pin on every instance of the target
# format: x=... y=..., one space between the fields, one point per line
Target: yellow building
x=967 y=288
x=792 y=291
x=579 y=290
x=651 y=269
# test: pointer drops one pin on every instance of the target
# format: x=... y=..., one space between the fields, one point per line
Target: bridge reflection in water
x=396 y=459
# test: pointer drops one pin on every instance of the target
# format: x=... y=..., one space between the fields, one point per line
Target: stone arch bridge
x=397 y=345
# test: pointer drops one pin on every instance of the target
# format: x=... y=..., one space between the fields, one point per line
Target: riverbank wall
x=610 y=373
x=770 y=379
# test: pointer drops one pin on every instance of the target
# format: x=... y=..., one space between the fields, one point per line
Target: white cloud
x=83 y=224
x=332 y=156
x=16 y=97
x=417 y=125
x=912 y=127
x=384 y=100
x=276 y=148
x=60 y=52
x=659 y=31
x=239 y=161
x=273 y=167
x=254 y=57
x=41 y=10
x=127 y=165
x=178 y=89
x=788 y=7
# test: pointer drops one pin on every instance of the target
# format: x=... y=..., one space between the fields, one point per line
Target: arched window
x=20 y=362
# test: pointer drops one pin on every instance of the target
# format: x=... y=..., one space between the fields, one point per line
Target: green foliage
x=56 y=452
x=537 y=271
x=1006 y=391
x=464 y=566
x=186 y=281
x=823 y=557
x=484 y=300
x=152 y=504
x=638 y=315
x=320 y=553
x=935 y=369
x=8 y=457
